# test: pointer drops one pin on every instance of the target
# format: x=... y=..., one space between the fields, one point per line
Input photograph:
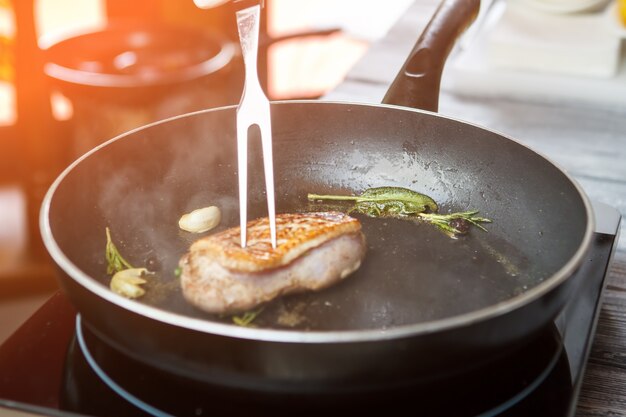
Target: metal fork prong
x=268 y=167
x=242 y=162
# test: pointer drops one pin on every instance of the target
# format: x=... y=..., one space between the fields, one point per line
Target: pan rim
x=300 y=336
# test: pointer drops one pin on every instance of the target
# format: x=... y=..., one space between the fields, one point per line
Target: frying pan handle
x=417 y=83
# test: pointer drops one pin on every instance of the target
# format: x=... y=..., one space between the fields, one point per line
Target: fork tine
x=242 y=162
x=265 y=125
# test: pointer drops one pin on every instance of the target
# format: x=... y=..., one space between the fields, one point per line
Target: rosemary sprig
x=115 y=261
x=247 y=318
x=454 y=223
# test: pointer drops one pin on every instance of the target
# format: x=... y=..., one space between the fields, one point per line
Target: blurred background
x=74 y=74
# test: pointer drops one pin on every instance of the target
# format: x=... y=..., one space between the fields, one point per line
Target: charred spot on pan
x=153 y=263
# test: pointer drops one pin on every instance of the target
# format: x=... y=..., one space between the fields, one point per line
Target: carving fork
x=254 y=108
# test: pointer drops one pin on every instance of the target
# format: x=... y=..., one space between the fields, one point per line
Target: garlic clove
x=127 y=282
x=200 y=220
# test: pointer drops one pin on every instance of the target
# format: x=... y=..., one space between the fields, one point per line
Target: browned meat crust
x=314 y=251
x=296 y=233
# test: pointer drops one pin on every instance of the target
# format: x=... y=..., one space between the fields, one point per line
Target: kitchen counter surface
x=586 y=140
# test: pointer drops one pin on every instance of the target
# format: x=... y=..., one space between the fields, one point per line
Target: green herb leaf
x=115 y=261
x=386 y=201
x=247 y=318
x=178 y=271
x=402 y=202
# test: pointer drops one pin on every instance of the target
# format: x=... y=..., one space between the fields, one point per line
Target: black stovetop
x=53 y=366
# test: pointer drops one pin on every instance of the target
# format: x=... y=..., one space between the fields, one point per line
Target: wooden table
x=589 y=142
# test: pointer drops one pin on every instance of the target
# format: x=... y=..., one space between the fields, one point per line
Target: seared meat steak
x=313 y=251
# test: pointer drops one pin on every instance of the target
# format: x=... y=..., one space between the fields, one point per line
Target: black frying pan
x=422 y=305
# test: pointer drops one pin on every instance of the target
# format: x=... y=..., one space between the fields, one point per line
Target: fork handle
x=248 y=27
